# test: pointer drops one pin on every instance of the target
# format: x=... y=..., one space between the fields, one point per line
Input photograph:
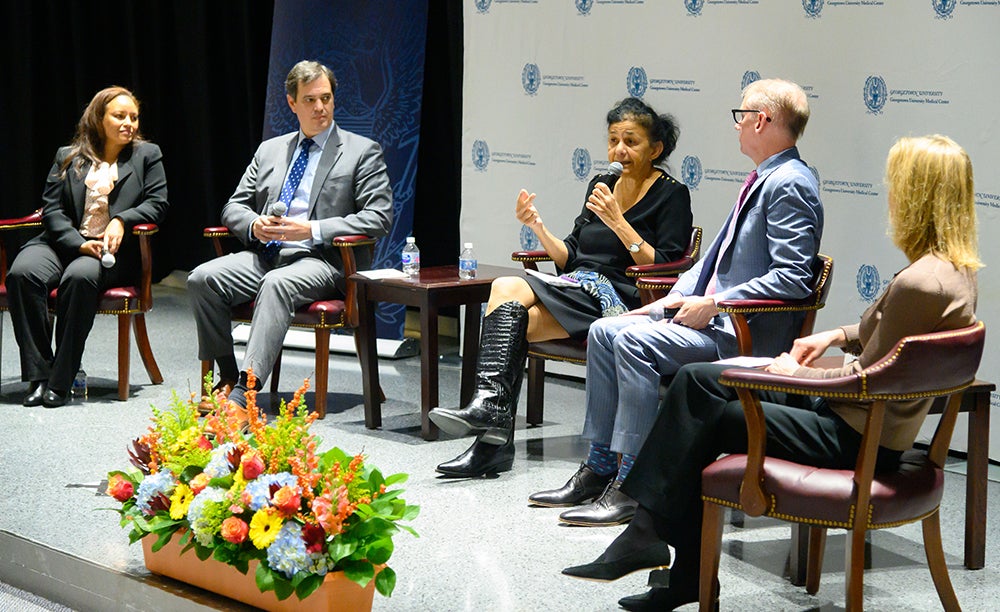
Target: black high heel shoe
x=35 y=393
x=663 y=598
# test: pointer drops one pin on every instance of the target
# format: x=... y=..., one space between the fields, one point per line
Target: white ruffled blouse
x=100 y=181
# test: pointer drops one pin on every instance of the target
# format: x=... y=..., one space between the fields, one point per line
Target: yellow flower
x=264 y=527
x=180 y=500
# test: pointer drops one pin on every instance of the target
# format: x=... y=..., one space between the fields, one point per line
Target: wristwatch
x=634 y=247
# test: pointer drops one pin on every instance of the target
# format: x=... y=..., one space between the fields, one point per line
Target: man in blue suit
x=766 y=249
x=299 y=192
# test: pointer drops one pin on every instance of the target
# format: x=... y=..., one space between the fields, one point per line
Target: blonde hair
x=932 y=205
x=785 y=101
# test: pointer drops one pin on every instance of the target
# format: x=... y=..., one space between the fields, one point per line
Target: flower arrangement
x=237 y=489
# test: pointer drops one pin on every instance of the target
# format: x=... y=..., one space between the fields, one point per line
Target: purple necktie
x=731 y=229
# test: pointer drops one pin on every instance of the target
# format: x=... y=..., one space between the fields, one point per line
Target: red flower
x=234 y=530
x=314 y=537
x=199 y=482
x=253 y=465
x=120 y=488
x=204 y=443
x=287 y=500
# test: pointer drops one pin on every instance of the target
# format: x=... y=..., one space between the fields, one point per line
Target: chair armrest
x=530 y=259
x=346 y=246
x=216 y=234
x=652 y=288
x=739 y=309
x=32 y=220
x=667 y=268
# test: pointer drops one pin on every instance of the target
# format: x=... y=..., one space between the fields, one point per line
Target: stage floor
x=480 y=546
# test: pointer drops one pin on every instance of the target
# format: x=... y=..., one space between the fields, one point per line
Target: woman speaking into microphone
x=107 y=180
x=640 y=217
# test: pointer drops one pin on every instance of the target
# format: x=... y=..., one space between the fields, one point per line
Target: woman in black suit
x=106 y=181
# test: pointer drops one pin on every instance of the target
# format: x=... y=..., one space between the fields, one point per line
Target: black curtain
x=199 y=70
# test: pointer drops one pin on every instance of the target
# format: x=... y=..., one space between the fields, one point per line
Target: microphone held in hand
x=107 y=258
x=614 y=171
x=278 y=209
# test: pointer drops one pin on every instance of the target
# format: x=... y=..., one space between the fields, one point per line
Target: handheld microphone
x=614 y=171
x=278 y=209
x=107 y=258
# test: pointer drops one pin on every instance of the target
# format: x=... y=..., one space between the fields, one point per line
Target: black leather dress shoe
x=54 y=399
x=35 y=393
x=612 y=508
x=581 y=488
x=654 y=556
x=480 y=459
x=657 y=599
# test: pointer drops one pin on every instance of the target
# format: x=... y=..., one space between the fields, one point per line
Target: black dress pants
x=35 y=272
x=700 y=419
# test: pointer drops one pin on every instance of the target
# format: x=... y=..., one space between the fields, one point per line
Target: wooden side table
x=435 y=288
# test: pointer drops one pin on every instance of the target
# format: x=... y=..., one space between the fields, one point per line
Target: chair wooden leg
x=124 y=353
x=145 y=350
x=814 y=563
x=275 y=377
x=322 y=368
x=711 y=551
x=935 y=559
x=854 y=566
x=536 y=390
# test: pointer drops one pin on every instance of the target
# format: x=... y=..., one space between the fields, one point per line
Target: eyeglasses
x=738 y=113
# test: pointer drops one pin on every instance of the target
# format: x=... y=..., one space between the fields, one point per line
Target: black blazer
x=139 y=196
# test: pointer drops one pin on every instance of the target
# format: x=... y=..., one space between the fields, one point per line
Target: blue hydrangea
x=259 y=490
x=152 y=485
x=288 y=552
x=218 y=463
x=200 y=516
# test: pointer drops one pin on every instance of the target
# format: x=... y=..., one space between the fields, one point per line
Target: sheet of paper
x=382 y=273
x=555 y=281
x=747 y=362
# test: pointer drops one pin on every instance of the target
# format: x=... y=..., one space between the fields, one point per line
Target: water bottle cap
x=467 y=245
x=410 y=239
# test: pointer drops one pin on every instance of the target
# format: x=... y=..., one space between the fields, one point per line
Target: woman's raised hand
x=525 y=210
x=603 y=204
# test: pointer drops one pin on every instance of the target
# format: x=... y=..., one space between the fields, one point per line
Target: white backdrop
x=540 y=76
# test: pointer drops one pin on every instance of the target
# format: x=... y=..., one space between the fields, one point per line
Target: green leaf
x=283 y=589
x=308 y=584
x=380 y=551
x=188 y=473
x=385 y=581
x=341 y=548
x=393 y=479
x=265 y=578
x=360 y=572
x=410 y=513
x=202 y=552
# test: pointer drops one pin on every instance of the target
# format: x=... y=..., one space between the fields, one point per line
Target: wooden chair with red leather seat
x=940 y=364
x=129 y=303
x=320 y=316
x=575 y=351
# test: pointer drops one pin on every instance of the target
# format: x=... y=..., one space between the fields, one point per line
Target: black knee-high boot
x=503 y=349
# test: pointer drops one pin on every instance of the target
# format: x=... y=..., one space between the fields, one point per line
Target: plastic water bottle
x=411 y=258
x=79 y=388
x=467 y=264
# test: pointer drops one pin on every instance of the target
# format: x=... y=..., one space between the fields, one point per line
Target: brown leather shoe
x=224 y=387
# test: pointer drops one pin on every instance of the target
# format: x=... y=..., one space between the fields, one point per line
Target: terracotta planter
x=337 y=593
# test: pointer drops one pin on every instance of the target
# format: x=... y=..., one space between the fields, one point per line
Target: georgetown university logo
x=581 y=164
x=531 y=78
x=749 y=76
x=943 y=8
x=868 y=283
x=812 y=7
x=691 y=171
x=480 y=155
x=584 y=6
x=636 y=81
x=483 y=6
x=694 y=6
x=876 y=94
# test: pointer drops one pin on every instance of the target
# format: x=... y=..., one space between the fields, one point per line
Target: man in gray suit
x=766 y=249
x=299 y=192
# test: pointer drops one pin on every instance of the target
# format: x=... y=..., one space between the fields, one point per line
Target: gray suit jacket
x=773 y=252
x=350 y=193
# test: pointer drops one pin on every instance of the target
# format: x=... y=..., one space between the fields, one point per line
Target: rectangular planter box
x=337 y=593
